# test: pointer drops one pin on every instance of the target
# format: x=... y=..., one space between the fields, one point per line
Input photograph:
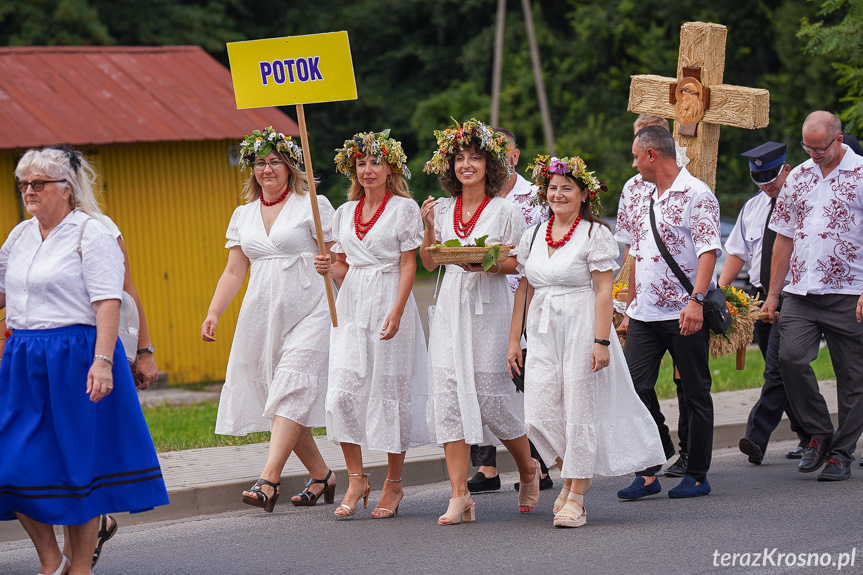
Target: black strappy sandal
x=261 y=499
x=103 y=536
x=307 y=498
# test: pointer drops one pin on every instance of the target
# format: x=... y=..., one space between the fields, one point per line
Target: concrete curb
x=209 y=481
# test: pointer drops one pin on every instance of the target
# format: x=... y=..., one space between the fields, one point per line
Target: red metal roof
x=111 y=95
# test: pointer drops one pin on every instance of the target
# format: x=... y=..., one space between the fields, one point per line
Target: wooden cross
x=698 y=100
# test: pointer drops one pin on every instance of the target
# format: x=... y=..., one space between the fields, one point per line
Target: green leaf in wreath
x=480 y=242
x=265 y=149
x=490 y=257
x=451 y=244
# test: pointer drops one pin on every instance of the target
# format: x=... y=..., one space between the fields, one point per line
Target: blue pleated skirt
x=63 y=458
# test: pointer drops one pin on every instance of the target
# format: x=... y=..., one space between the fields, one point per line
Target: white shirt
x=522 y=195
x=747 y=237
x=687 y=216
x=623 y=227
x=48 y=284
x=824 y=216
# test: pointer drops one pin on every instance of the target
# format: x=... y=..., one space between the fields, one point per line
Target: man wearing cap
x=752 y=241
x=818 y=219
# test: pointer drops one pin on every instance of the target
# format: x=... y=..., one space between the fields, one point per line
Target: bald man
x=818 y=220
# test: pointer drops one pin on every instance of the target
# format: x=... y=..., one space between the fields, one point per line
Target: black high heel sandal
x=307 y=498
x=261 y=499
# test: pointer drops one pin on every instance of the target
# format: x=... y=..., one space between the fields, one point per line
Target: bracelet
x=498 y=269
x=104 y=358
x=601 y=341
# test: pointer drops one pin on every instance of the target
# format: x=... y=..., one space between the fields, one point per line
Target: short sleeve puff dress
x=377 y=389
x=594 y=421
x=279 y=356
x=471 y=395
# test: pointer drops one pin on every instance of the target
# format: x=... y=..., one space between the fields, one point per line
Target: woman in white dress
x=277 y=371
x=471 y=396
x=378 y=370
x=581 y=409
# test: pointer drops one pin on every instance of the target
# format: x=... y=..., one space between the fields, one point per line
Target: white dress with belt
x=471 y=395
x=377 y=389
x=594 y=421
x=279 y=356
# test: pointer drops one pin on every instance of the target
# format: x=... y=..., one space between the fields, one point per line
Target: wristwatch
x=148 y=349
x=697 y=298
x=601 y=341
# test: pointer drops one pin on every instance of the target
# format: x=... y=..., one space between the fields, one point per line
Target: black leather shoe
x=544 y=483
x=795 y=453
x=479 y=483
x=748 y=447
x=813 y=456
x=678 y=468
x=835 y=470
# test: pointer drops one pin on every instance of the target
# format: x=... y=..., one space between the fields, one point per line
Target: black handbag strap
x=681 y=277
x=524 y=313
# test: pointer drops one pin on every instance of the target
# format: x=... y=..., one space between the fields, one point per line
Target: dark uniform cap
x=765 y=162
x=852 y=143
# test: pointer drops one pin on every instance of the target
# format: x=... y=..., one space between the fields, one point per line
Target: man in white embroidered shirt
x=818 y=220
x=663 y=316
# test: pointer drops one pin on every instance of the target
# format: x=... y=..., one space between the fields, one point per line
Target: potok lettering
x=291 y=70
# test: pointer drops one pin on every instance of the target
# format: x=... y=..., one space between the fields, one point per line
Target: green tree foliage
x=842 y=42
x=419 y=63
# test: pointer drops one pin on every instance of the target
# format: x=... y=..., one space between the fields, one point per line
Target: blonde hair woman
x=277 y=371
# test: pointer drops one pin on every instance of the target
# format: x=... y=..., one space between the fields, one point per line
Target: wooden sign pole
x=313 y=197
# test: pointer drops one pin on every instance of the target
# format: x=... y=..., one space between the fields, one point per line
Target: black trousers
x=802 y=323
x=646 y=343
x=767 y=411
x=487 y=455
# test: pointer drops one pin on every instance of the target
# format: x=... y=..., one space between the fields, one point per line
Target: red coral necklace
x=462 y=229
x=277 y=200
x=362 y=228
x=566 y=236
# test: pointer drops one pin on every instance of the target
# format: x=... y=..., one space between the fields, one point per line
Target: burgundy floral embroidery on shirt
x=836 y=273
x=798 y=268
x=855 y=174
x=846 y=191
x=800 y=214
x=669 y=297
x=839 y=216
x=674 y=241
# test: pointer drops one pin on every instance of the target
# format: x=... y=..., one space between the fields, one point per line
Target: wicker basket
x=461 y=255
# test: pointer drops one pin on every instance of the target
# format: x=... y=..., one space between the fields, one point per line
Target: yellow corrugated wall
x=172 y=201
x=10 y=213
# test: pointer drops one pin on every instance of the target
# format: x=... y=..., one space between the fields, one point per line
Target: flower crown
x=262 y=142
x=379 y=145
x=544 y=167
x=472 y=132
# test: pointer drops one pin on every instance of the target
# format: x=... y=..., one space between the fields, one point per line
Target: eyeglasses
x=37 y=185
x=811 y=150
x=261 y=165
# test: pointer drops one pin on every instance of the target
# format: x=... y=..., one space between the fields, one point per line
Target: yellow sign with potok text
x=292 y=70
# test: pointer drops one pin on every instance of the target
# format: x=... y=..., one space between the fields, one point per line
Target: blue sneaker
x=688 y=488
x=638 y=489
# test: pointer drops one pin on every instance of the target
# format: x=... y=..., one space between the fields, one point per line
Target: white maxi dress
x=377 y=389
x=471 y=395
x=280 y=352
x=594 y=421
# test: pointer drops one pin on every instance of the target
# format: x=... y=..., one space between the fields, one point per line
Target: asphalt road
x=751 y=508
